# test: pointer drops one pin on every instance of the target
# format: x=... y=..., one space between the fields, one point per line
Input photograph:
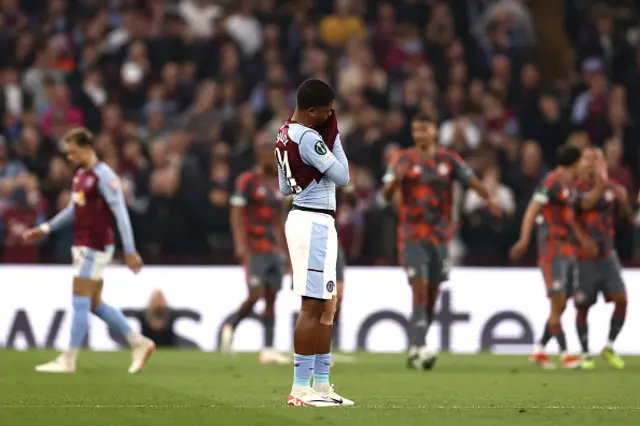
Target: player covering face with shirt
x=310 y=166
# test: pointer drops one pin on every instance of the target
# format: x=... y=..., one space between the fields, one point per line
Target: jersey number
x=283 y=162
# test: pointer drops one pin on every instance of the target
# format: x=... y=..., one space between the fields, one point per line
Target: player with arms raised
x=257 y=224
x=597 y=203
x=424 y=175
x=309 y=168
x=97 y=199
x=551 y=209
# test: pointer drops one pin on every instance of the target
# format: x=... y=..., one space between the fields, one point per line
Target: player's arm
x=63 y=219
x=465 y=174
x=622 y=197
x=589 y=199
x=540 y=198
x=237 y=216
x=285 y=188
x=396 y=171
x=315 y=153
x=111 y=190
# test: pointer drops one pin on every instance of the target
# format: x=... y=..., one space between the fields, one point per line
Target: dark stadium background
x=176 y=104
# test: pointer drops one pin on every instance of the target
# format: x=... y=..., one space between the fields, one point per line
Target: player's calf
x=418 y=323
x=228 y=330
x=582 y=328
x=617 y=322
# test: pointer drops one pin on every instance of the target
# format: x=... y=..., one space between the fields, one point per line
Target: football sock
x=321 y=370
x=113 y=318
x=558 y=333
x=546 y=336
x=80 y=320
x=268 y=321
x=418 y=326
x=303 y=366
x=615 y=328
x=583 y=336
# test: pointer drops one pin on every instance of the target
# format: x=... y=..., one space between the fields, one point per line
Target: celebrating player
x=258 y=232
x=551 y=209
x=596 y=209
x=424 y=175
x=97 y=199
x=310 y=165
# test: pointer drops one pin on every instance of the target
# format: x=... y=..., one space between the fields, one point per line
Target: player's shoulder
x=448 y=154
x=246 y=177
x=551 y=178
x=103 y=171
x=407 y=154
x=299 y=133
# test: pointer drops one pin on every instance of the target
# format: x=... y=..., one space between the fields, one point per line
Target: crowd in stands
x=178 y=92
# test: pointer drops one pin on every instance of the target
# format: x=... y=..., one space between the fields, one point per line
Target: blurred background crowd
x=178 y=93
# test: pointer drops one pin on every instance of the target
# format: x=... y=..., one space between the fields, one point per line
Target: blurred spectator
x=157 y=323
x=178 y=92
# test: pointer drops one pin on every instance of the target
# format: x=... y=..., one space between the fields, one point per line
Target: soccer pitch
x=197 y=388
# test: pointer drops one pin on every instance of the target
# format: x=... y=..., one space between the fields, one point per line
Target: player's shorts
x=599 y=275
x=313 y=248
x=560 y=275
x=265 y=269
x=90 y=263
x=424 y=260
x=340 y=264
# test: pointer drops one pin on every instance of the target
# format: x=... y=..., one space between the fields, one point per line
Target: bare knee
x=558 y=305
x=329 y=311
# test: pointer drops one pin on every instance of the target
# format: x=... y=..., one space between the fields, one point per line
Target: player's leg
x=255 y=269
x=141 y=347
x=438 y=273
x=340 y=265
x=585 y=295
x=84 y=286
x=310 y=249
x=615 y=292
x=273 y=279
x=415 y=264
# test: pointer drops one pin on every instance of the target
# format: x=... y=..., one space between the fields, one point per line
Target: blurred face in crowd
x=424 y=133
x=613 y=151
x=264 y=154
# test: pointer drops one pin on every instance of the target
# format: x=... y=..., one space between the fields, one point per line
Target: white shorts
x=90 y=263
x=313 y=248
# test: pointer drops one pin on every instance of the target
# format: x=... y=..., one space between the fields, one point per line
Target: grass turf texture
x=195 y=388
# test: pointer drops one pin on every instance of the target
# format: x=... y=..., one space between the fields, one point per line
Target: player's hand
x=519 y=249
x=590 y=247
x=602 y=172
x=638 y=200
x=33 y=235
x=134 y=262
x=621 y=194
x=494 y=206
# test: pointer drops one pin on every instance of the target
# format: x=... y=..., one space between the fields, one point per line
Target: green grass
x=194 y=388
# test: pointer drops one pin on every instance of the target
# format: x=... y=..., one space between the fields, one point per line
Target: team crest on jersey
x=89 y=181
x=78 y=198
x=320 y=148
x=330 y=286
x=565 y=194
x=417 y=169
x=262 y=191
x=443 y=169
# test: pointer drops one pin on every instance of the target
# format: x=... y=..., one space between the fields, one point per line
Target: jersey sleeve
x=462 y=171
x=111 y=189
x=240 y=196
x=64 y=217
x=396 y=159
x=548 y=190
x=314 y=152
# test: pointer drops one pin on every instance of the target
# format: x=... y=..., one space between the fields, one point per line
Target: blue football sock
x=322 y=367
x=113 y=318
x=303 y=369
x=80 y=320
